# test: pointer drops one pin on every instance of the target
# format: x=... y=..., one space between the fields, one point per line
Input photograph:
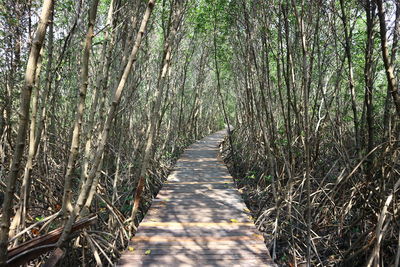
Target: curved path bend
x=198 y=218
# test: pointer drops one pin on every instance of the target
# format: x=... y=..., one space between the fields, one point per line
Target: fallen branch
x=50 y=218
x=42 y=244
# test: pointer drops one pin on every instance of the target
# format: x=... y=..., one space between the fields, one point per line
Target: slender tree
x=23 y=125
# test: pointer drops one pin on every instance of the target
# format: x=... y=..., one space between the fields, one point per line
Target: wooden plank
x=204 y=239
x=187 y=243
x=196 y=233
x=196 y=189
x=194 y=224
x=198 y=218
x=199 y=183
x=217 y=255
x=230 y=246
x=198 y=197
x=154 y=262
x=199 y=251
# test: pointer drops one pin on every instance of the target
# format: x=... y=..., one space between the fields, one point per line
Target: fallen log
x=37 y=246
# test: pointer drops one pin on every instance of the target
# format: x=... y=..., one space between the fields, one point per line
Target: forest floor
x=254 y=201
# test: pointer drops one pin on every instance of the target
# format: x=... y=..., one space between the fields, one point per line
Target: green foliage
x=67 y=6
x=251 y=175
x=126 y=208
x=39 y=218
x=103 y=7
x=268 y=178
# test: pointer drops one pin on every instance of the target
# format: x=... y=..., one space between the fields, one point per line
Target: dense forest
x=98 y=98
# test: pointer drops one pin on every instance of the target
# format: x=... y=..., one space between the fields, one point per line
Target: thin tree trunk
x=391 y=78
x=23 y=125
x=101 y=83
x=369 y=81
x=305 y=87
x=19 y=218
x=154 y=119
x=80 y=110
x=107 y=127
x=351 y=75
x=388 y=102
x=219 y=83
x=34 y=137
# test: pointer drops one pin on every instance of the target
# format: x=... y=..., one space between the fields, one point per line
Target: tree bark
x=80 y=110
x=350 y=74
x=390 y=76
x=369 y=81
x=107 y=126
x=22 y=126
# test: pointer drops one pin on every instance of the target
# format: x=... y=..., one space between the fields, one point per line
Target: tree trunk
x=369 y=82
x=391 y=78
x=350 y=74
x=107 y=126
x=80 y=110
x=154 y=118
x=22 y=127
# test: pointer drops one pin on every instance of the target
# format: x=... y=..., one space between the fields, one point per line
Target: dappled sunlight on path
x=198 y=218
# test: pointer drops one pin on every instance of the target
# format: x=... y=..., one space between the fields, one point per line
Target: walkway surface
x=198 y=218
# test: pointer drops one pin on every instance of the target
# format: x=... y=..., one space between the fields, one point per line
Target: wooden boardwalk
x=198 y=218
